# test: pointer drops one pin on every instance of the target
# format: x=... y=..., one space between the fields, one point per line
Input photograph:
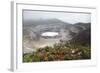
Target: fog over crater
x=50 y=34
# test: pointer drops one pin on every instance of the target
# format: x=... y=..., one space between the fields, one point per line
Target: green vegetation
x=60 y=51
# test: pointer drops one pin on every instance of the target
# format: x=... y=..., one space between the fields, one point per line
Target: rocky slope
x=32 y=31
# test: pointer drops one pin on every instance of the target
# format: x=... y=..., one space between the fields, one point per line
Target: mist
x=63 y=16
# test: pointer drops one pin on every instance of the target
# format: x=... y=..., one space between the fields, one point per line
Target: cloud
x=64 y=16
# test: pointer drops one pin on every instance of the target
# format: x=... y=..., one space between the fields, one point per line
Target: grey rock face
x=32 y=31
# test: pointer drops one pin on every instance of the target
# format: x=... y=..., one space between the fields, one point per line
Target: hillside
x=72 y=42
x=32 y=31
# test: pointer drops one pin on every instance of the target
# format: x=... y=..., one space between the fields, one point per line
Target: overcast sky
x=64 y=16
